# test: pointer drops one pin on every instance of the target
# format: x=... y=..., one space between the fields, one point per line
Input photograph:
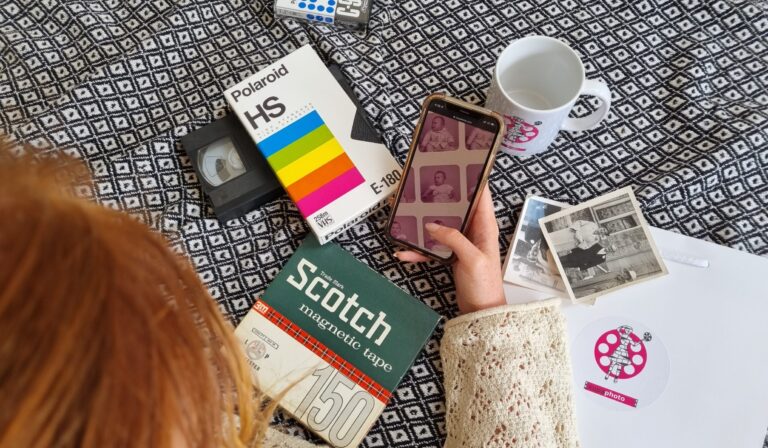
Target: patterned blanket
x=117 y=83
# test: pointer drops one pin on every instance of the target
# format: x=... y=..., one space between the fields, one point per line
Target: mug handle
x=593 y=88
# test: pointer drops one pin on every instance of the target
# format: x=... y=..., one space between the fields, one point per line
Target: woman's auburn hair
x=107 y=337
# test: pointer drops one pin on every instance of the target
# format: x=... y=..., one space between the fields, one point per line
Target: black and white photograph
x=440 y=183
x=440 y=134
x=529 y=262
x=478 y=139
x=602 y=245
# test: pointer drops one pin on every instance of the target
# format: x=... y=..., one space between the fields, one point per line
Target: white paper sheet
x=711 y=323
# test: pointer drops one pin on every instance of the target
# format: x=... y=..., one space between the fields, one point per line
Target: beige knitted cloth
x=507 y=380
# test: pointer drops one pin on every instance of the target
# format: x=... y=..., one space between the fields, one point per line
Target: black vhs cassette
x=234 y=174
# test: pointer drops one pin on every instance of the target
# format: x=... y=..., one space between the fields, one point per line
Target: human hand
x=477 y=269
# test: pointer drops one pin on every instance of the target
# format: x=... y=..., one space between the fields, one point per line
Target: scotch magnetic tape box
x=330 y=326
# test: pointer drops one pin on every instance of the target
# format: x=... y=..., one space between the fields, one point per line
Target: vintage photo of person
x=529 y=262
x=404 y=229
x=440 y=183
x=478 y=139
x=440 y=134
x=602 y=245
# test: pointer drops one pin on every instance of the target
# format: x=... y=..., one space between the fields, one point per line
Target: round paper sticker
x=620 y=363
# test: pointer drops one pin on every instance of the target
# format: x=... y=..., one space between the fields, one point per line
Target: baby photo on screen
x=439 y=134
x=440 y=183
x=478 y=139
x=404 y=229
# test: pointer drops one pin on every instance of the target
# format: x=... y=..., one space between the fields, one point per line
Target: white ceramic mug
x=536 y=82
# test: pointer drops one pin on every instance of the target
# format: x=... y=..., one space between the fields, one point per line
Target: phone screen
x=452 y=150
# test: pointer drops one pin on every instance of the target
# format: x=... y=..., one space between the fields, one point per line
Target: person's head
x=108 y=337
x=396 y=228
x=439 y=177
x=602 y=232
x=438 y=123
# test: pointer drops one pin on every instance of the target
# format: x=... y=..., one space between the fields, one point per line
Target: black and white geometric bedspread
x=117 y=83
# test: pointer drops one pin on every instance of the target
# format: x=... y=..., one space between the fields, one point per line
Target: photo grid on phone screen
x=442 y=179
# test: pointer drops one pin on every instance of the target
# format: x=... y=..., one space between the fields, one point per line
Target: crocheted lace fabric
x=507 y=378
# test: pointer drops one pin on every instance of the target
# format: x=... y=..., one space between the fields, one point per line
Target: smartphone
x=451 y=155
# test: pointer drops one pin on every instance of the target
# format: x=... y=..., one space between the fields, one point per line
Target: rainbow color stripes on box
x=302 y=122
x=310 y=163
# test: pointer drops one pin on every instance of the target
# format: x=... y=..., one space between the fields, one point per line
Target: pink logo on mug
x=518 y=131
x=537 y=100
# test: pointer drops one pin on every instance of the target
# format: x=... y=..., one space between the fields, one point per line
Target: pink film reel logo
x=621 y=354
x=518 y=131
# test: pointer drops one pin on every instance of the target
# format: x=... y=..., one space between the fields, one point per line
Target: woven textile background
x=117 y=83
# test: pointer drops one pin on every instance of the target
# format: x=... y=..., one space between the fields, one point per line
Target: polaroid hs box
x=336 y=337
x=302 y=120
x=352 y=14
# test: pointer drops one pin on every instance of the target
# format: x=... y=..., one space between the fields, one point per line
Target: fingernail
x=397 y=255
x=431 y=226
